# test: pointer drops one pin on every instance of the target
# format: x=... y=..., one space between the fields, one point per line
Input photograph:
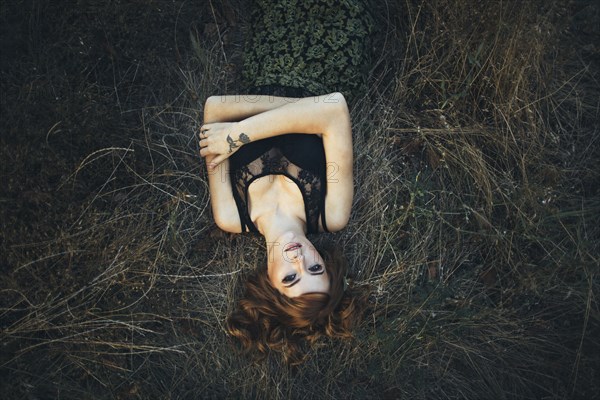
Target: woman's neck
x=274 y=224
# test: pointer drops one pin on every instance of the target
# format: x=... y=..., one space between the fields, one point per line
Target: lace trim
x=273 y=162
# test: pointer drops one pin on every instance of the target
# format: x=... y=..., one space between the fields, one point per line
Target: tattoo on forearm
x=233 y=144
x=244 y=138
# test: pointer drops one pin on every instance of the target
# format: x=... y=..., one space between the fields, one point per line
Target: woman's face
x=295 y=267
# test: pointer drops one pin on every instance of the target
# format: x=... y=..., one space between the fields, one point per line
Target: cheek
x=272 y=269
x=327 y=282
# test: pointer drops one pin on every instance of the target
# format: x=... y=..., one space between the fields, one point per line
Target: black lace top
x=300 y=157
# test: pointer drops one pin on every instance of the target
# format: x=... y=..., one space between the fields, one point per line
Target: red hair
x=266 y=320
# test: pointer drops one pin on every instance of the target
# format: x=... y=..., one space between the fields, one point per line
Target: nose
x=296 y=254
x=298 y=260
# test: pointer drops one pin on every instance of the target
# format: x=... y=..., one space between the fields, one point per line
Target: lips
x=292 y=247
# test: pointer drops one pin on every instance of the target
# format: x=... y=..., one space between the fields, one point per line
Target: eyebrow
x=320 y=273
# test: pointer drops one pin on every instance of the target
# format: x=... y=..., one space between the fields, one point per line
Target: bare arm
x=222 y=202
x=318 y=115
x=312 y=115
x=232 y=108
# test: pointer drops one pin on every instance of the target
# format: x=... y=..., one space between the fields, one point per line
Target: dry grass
x=475 y=223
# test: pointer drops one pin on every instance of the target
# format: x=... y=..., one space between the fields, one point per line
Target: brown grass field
x=475 y=227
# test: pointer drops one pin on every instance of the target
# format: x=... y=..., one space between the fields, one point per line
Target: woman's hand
x=220 y=140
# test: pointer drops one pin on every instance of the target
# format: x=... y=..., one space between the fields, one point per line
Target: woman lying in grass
x=280 y=164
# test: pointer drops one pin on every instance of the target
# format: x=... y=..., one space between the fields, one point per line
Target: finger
x=210 y=165
x=219 y=159
x=203 y=130
x=206 y=151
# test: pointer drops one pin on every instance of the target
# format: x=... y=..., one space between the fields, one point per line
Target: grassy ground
x=476 y=222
